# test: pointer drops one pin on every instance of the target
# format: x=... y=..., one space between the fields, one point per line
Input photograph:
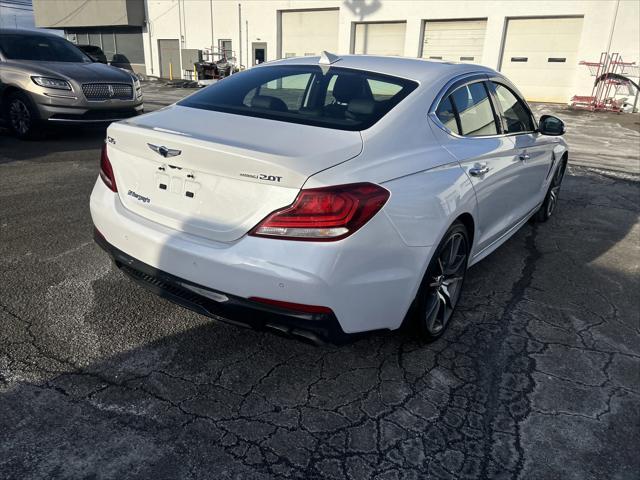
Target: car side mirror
x=550 y=125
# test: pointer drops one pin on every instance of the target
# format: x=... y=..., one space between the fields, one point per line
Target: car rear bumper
x=368 y=280
x=314 y=327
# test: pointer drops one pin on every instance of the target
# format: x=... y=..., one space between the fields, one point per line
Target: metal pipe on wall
x=184 y=22
x=239 y=36
x=146 y=15
x=211 y=16
x=180 y=40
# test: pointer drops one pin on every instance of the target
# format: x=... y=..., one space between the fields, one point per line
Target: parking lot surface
x=538 y=376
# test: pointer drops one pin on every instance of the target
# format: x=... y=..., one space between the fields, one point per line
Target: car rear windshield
x=338 y=98
x=40 y=48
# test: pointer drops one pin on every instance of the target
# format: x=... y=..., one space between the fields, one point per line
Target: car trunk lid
x=214 y=174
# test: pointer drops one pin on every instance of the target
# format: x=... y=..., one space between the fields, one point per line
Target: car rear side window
x=333 y=97
x=447 y=115
x=515 y=115
x=475 y=113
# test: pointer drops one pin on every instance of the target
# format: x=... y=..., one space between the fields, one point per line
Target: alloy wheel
x=554 y=191
x=20 y=116
x=445 y=285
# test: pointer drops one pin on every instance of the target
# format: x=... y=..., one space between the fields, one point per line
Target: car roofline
x=409 y=68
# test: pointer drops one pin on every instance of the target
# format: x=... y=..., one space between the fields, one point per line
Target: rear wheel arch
x=462 y=227
x=467 y=220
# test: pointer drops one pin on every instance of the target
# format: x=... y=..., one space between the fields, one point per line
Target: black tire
x=441 y=286
x=22 y=116
x=550 y=203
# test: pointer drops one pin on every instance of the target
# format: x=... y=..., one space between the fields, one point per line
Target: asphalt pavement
x=538 y=376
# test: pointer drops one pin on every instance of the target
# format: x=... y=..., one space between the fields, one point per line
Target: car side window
x=515 y=115
x=475 y=113
x=447 y=115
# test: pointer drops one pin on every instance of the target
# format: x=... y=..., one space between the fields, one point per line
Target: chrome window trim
x=467 y=79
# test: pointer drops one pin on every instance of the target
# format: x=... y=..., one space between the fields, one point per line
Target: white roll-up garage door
x=379 y=38
x=309 y=32
x=459 y=40
x=540 y=57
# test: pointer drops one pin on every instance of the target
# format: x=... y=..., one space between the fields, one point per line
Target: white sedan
x=324 y=196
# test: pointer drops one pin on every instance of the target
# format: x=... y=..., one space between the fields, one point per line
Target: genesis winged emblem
x=164 y=151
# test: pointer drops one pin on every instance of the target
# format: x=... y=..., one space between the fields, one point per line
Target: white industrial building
x=538 y=44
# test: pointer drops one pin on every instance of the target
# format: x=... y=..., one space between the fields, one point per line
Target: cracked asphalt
x=538 y=376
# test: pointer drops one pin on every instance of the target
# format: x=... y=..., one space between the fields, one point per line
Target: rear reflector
x=325 y=214
x=298 y=307
x=106 y=170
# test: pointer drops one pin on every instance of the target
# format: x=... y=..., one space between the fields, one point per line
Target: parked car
x=95 y=53
x=327 y=196
x=45 y=78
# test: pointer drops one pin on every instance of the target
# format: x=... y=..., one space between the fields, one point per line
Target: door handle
x=524 y=156
x=479 y=169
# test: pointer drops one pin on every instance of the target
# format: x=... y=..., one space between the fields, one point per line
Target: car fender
x=423 y=206
x=423 y=203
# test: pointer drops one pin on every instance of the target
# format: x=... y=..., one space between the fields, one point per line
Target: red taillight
x=297 y=307
x=106 y=170
x=325 y=214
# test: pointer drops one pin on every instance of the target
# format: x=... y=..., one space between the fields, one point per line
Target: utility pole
x=246 y=32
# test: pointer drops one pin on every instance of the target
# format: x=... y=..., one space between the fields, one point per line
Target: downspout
x=184 y=22
x=180 y=39
x=211 y=16
x=146 y=15
x=239 y=36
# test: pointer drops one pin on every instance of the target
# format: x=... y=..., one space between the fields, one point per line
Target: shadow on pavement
x=537 y=377
x=72 y=140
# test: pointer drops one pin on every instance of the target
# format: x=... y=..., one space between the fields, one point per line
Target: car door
x=533 y=150
x=487 y=156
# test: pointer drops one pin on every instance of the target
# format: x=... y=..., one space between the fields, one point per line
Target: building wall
x=88 y=13
x=262 y=16
x=123 y=46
